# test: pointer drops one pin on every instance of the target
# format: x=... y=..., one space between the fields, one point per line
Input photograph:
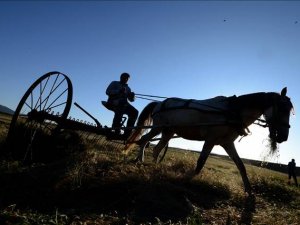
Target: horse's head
x=278 y=116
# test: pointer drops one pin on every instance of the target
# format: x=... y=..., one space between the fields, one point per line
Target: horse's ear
x=283 y=92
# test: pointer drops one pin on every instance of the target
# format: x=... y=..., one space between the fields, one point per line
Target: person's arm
x=128 y=90
x=130 y=95
x=113 y=89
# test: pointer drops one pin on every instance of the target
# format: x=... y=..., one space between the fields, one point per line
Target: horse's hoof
x=190 y=174
x=136 y=161
x=132 y=161
x=155 y=160
x=249 y=192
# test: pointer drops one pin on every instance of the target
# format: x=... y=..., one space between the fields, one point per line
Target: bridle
x=280 y=106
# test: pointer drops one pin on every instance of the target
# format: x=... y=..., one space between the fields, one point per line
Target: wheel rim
x=51 y=93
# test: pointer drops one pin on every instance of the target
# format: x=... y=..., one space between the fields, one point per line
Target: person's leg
x=289 y=181
x=117 y=120
x=295 y=179
x=132 y=116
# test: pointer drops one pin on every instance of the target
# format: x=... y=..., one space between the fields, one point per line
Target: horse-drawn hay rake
x=43 y=112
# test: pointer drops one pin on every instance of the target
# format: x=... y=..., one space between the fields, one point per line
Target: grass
x=97 y=186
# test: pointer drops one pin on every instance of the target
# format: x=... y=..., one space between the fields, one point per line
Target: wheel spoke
x=55 y=106
x=42 y=89
x=46 y=99
x=57 y=99
x=51 y=92
x=27 y=105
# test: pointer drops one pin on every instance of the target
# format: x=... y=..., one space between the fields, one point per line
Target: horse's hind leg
x=143 y=142
x=231 y=151
x=203 y=156
x=165 y=137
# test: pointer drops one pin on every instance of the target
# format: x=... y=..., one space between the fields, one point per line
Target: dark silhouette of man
x=119 y=93
x=292 y=171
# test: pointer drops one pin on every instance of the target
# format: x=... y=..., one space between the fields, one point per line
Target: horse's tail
x=144 y=119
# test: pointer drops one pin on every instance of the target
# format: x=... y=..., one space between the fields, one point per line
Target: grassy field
x=100 y=187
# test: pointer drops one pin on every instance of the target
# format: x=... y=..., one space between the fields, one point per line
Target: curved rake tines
x=51 y=93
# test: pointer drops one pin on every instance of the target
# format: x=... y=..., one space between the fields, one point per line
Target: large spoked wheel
x=51 y=93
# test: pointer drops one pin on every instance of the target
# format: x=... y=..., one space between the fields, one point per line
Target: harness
x=219 y=105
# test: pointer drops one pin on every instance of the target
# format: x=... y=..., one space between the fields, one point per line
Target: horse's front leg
x=207 y=147
x=231 y=151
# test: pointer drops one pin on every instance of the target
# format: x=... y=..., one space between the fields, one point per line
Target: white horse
x=217 y=121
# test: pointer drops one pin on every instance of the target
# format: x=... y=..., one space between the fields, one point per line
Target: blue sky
x=188 y=49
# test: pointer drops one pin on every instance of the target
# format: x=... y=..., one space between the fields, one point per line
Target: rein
x=153 y=96
x=150 y=97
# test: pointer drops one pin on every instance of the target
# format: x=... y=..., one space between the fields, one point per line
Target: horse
x=217 y=121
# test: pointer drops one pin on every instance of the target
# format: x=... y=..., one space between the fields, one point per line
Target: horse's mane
x=260 y=99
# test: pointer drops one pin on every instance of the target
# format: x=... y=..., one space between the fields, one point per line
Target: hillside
x=268 y=165
x=6 y=110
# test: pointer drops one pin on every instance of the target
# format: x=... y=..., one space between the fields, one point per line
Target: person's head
x=293 y=160
x=124 y=78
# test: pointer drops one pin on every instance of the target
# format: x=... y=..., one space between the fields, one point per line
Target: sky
x=186 y=49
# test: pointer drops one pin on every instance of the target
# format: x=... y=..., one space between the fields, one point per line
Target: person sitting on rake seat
x=119 y=93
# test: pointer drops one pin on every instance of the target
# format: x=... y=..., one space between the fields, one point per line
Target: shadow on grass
x=141 y=200
x=274 y=192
